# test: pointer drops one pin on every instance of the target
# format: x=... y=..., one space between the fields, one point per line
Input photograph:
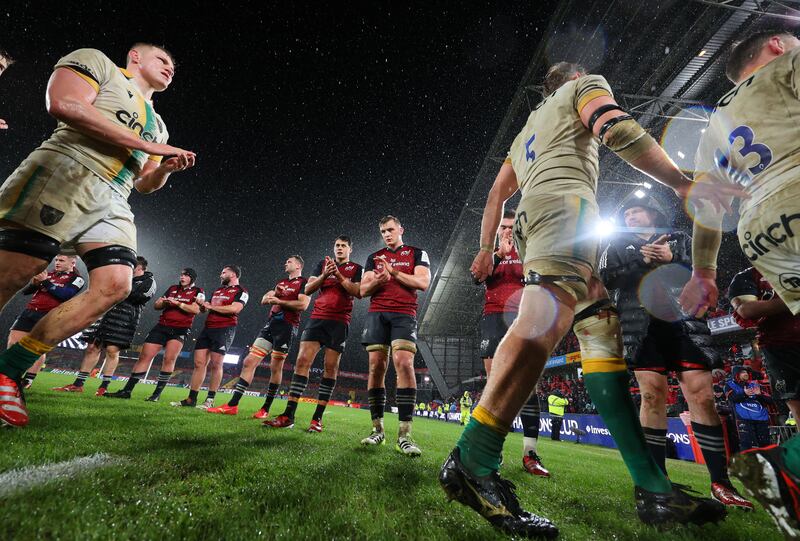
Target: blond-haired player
x=72 y=192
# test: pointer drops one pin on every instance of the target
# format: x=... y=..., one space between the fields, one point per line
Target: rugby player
x=49 y=290
x=338 y=281
x=392 y=277
x=5 y=62
x=72 y=193
x=286 y=303
x=557 y=171
x=500 y=306
x=114 y=332
x=217 y=335
x=179 y=304
x=750 y=142
x=661 y=341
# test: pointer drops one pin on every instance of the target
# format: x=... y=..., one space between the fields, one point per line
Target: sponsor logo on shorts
x=790 y=281
x=50 y=216
x=773 y=236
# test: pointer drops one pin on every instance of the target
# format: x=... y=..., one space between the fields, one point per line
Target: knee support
x=599 y=334
x=378 y=347
x=260 y=348
x=32 y=243
x=109 y=255
x=278 y=356
x=404 y=345
x=625 y=137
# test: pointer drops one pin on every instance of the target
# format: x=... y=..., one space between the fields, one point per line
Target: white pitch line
x=33 y=476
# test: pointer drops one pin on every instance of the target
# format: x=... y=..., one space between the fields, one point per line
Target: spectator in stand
x=752 y=417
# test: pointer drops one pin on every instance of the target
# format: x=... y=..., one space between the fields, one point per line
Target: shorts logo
x=484 y=344
x=790 y=281
x=50 y=216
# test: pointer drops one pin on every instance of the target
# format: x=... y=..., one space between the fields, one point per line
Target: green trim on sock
x=611 y=395
x=16 y=360
x=481 y=448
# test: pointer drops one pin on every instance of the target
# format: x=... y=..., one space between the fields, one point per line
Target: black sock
x=656 y=439
x=529 y=415
x=238 y=391
x=712 y=442
x=29 y=377
x=163 y=379
x=377 y=402
x=406 y=398
x=272 y=390
x=325 y=391
x=211 y=395
x=106 y=381
x=296 y=390
x=81 y=379
x=193 y=395
x=133 y=380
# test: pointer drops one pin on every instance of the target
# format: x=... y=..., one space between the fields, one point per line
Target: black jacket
x=622 y=269
x=118 y=325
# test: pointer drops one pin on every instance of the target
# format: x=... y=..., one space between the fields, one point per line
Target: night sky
x=308 y=120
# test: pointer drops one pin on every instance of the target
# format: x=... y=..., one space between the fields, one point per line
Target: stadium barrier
x=591 y=429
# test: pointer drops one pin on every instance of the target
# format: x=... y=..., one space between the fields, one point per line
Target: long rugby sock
x=607 y=383
x=406 y=398
x=106 y=381
x=29 y=377
x=133 y=380
x=481 y=443
x=325 y=392
x=529 y=415
x=791 y=455
x=211 y=395
x=296 y=390
x=377 y=403
x=163 y=379
x=81 y=379
x=272 y=390
x=193 y=395
x=18 y=358
x=656 y=439
x=712 y=443
x=238 y=391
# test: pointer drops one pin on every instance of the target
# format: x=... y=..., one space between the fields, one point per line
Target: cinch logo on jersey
x=776 y=234
x=131 y=120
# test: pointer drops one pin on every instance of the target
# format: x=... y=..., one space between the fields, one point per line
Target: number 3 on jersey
x=530 y=155
x=745 y=133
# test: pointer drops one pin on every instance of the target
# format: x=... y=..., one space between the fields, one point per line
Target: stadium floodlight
x=681 y=155
x=605 y=228
x=647 y=185
x=639 y=193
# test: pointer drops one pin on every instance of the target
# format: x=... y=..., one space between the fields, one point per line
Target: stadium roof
x=664 y=61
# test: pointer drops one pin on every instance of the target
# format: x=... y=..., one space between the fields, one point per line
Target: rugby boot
x=13 y=411
x=533 y=465
x=281 y=421
x=677 y=506
x=765 y=477
x=493 y=498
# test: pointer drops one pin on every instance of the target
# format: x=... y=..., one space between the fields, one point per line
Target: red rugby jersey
x=225 y=296
x=333 y=301
x=44 y=301
x=504 y=286
x=773 y=331
x=288 y=289
x=393 y=296
x=172 y=316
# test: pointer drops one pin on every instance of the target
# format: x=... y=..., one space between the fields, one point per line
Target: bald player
x=751 y=141
x=72 y=193
x=557 y=172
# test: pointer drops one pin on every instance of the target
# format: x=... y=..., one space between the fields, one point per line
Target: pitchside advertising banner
x=594 y=432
